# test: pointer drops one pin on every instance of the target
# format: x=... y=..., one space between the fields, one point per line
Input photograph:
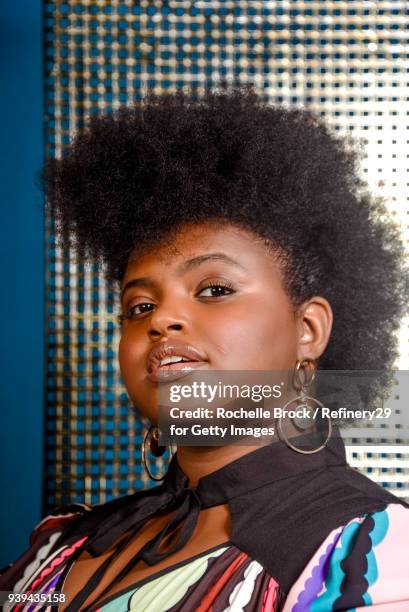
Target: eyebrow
x=195 y=262
x=144 y=282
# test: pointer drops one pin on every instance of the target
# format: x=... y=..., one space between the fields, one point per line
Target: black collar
x=256 y=469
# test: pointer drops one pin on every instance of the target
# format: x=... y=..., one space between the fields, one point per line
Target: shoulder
x=60 y=533
x=76 y=519
x=282 y=525
x=58 y=520
x=46 y=537
x=362 y=563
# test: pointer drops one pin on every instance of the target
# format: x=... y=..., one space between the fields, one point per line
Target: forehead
x=194 y=240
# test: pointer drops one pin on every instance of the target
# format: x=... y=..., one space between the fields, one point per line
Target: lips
x=171 y=371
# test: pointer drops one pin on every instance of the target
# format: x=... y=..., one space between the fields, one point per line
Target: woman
x=241 y=239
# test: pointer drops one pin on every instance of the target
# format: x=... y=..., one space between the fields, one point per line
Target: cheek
x=258 y=335
x=130 y=357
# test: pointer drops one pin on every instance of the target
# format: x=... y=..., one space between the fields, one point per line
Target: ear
x=315 y=320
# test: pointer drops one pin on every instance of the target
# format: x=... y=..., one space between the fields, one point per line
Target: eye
x=216 y=289
x=137 y=311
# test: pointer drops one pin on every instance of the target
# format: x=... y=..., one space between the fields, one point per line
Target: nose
x=166 y=319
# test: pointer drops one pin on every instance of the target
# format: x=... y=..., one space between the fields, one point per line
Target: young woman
x=241 y=238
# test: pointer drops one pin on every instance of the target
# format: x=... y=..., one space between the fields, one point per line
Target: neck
x=198 y=461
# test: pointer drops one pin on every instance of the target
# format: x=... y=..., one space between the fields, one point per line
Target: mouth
x=170 y=361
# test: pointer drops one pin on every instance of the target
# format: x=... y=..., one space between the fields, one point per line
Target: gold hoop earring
x=301 y=383
x=151 y=438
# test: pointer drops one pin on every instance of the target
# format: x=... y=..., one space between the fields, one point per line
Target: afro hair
x=132 y=178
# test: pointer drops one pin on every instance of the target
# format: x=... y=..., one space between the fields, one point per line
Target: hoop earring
x=151 y=438
x=301 y=383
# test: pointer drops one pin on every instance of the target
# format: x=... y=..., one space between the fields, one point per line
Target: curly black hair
x=132 y=178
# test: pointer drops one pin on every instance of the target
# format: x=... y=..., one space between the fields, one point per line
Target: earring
x=151 y=438
x=304 y=375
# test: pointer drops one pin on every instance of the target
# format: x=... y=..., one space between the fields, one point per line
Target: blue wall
x=22 y=278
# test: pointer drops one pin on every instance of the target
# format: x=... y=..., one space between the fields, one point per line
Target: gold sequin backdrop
x=347 y=61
